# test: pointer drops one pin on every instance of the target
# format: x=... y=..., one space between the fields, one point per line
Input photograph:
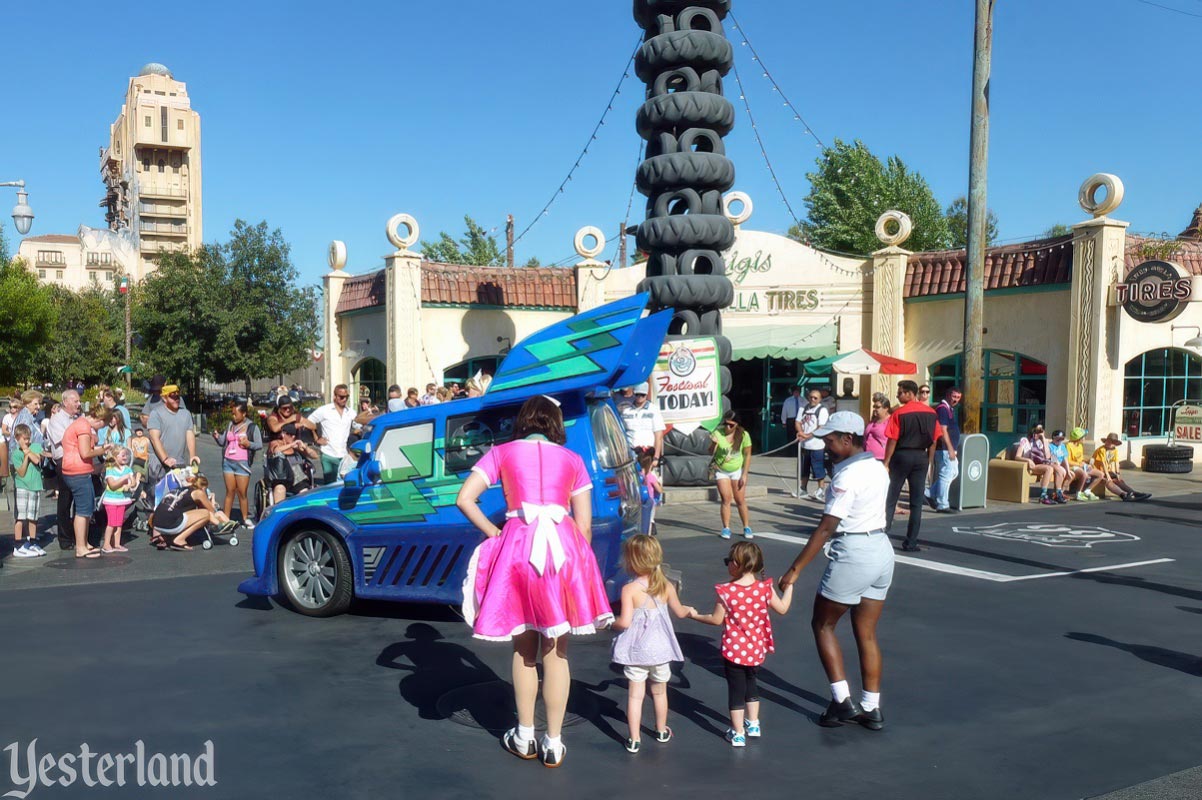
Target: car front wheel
x=315 y=573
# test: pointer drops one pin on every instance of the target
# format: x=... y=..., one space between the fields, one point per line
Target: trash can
x=969 y=488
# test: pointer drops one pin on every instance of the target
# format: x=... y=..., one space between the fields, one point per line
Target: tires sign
x=1154 y=291
x=1187 y=424
x=686 y=383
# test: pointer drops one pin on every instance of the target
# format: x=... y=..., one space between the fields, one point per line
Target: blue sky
x=326 y=118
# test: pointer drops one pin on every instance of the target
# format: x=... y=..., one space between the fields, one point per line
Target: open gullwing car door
x=608 y=347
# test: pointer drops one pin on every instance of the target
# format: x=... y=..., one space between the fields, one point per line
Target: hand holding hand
x=785 y=584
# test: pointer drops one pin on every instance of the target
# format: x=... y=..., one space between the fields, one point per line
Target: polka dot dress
x=747 y=637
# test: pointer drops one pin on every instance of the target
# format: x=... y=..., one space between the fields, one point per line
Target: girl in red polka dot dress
x=742 y=607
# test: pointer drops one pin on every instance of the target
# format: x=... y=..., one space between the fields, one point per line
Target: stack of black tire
x=1173 y=459
x=682 y=61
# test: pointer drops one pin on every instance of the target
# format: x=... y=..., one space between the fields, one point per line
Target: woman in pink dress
x=536 y=579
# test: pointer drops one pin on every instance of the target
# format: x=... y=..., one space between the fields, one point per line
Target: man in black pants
x=910 y=436
x=59 y=422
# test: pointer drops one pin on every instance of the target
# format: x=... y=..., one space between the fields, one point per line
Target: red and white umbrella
x=860 y=362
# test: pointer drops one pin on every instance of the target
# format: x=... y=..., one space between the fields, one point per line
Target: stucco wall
x=454 y=334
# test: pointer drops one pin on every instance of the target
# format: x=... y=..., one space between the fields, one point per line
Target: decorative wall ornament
x=393 y=231
x=1087 y=197
x=904 y=228
x=682 y=60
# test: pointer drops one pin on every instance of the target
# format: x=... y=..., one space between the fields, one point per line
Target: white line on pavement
x=969 y=572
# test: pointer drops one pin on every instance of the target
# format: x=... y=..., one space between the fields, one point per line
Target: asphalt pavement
x=1036 y=652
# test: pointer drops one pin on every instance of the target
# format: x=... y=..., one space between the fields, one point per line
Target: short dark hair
x=241 y=406
x=907 y=386
x=951 y=389
x=540 y=415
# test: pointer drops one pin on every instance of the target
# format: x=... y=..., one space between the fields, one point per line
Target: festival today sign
x=685 y=381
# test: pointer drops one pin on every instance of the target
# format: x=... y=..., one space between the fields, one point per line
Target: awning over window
x=795 y=342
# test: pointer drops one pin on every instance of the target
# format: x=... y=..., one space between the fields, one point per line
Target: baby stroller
x=177 y=479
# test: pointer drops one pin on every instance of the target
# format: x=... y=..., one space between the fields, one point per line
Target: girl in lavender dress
x=536 y=579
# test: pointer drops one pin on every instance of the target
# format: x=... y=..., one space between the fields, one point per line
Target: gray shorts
x=28 y=504
x=860 y=566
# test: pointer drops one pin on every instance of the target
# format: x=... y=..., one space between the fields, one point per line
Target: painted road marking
x=969 y=572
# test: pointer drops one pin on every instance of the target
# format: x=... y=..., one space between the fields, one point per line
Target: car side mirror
x=371 y=471
x=360 y=449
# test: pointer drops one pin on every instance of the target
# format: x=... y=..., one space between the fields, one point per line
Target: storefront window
x=1153 y=382
x=459 y=373
x=1016 y=391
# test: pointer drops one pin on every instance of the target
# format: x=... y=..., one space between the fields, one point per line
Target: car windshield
x=612 y=450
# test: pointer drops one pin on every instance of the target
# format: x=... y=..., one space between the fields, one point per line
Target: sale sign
x=1187 y=424
x=685 y=383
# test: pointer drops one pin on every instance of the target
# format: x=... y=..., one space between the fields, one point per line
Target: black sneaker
x=526 y=750
x=911 y=547
x=1141 y=496
x=632 y=745
x=664 y=736
x=1129 y=497
x=838 y=713
x=872 y=720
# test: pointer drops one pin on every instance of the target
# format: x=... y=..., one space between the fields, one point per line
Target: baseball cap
x=842 y=422
x=1077 y=433
x=170 y=388
x=642 y=388
x=283 y=400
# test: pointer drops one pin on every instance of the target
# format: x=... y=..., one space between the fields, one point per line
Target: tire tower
x=682 y=60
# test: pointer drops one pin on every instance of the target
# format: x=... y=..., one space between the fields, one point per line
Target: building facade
x=151 y=168
x=1088 y=329
x=89 y=258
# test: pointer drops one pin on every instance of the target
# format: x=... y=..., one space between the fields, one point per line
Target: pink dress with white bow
x=540 y=574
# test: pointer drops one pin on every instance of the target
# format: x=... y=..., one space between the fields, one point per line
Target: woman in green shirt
x=731 y=448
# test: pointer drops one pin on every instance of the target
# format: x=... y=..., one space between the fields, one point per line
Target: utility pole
x=978 y=170
x=622 y=245
x=509 y=240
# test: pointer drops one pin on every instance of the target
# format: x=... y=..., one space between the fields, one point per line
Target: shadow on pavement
x=1161 y=657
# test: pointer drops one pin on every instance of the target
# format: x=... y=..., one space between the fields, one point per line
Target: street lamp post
x=22 y=213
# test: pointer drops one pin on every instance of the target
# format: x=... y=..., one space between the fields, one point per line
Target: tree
x=533 y=262
x=84 y=342
x=1059 y=229
x=4 y=255
x=476 y=247
x=27 y=315
x=957 y=223
x=267 y=326
x=852 y=188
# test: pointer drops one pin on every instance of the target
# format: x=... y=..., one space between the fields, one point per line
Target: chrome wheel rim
x=309 y=570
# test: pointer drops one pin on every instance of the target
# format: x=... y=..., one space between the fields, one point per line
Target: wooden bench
x=1010 y=481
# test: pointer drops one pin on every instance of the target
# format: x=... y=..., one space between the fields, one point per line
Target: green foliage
x=86 y=341
x=1059 y=229
x=851 y=189
x=1158 y=247
x=533 y=262
x=4 y=254
x=27 y=315
x=476 y=247
x=227 y=312
x=957 y=223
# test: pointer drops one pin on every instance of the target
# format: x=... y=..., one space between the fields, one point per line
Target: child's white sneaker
x=751 y=728
x=735 y=738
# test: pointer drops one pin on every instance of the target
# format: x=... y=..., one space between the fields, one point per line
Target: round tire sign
x=1154 y=291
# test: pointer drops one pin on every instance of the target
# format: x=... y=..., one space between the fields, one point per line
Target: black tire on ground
x=696 y=443
x=342 y=592
x=681 y=110
x=700 y=49
x=686 y=232
x=681 y=470
x=689 y=291
x=1168 y=467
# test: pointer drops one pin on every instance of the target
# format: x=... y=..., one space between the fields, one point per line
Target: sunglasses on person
x=640 y=394
x=1037 y=430
x=174 y=395
x=341 y=396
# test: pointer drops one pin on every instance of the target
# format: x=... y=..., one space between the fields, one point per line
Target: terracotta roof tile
x=1044 y=261
x=1187 y=253
x=53 y=238
x=461 y=284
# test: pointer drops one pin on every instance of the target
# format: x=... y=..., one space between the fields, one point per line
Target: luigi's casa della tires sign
x=1154 y=291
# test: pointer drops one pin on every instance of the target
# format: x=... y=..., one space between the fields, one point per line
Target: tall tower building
x=151 y=168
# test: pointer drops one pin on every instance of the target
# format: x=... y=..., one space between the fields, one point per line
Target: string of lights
x=592 y=138
x=775 y=86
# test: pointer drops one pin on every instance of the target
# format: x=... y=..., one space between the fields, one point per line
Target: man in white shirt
x=788 y=412
x=336 y=421
x=644 y=428
x=813 y=458
x=430 y=397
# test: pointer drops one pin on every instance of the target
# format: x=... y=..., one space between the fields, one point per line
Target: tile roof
x=1194 y=229
x=463 y=285
x=1044 y=261
x=1186 y=253
x=53 y=238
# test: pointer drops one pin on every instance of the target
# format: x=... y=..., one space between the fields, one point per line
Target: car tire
x=689 y=291
x=302 y=562
x=1168 y=459
x=698 y=49
x=681 y=470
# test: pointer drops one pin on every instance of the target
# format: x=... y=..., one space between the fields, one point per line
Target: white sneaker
x=23 y=552
x=819 y=495
x=250 y=526
x=37 y=549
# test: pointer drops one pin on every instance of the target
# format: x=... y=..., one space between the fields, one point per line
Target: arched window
x=372 y=375
x=1016 y=390
x=1152 y=383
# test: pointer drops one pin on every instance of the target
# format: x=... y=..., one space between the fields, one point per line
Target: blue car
x=391 y=530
